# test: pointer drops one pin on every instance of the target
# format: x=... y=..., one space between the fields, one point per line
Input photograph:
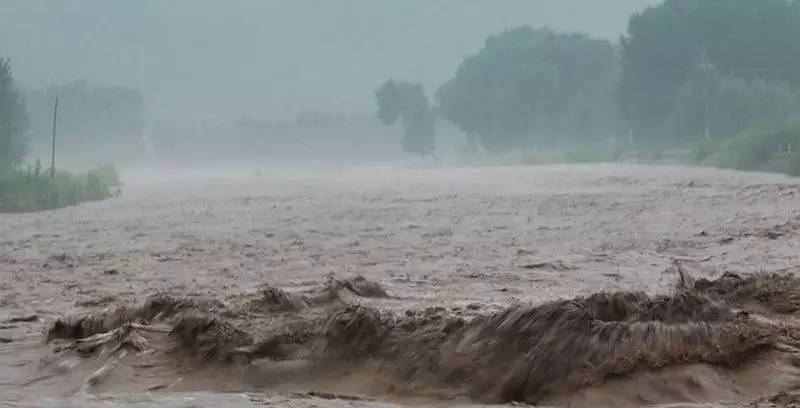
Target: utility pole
x=707 y=114
x=53 y=152
x=707 y=76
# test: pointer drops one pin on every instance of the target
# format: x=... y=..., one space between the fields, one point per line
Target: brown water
x=475 y=240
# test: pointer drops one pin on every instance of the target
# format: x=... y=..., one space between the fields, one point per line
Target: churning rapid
x=538 y=285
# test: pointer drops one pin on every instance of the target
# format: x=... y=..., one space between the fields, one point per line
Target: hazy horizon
x=208 y=59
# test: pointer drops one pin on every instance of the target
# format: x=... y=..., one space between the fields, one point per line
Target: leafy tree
x=747 y=39
x=406 y=102
x=530 y=87
x=713 y=106
x=13 y=120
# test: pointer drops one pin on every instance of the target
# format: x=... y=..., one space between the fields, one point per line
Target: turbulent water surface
x=415 y=287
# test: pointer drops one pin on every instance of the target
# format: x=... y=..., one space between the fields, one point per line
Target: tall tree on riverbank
x=406 y=102
x=744 y=39
x=13 y=120
x=534 y=88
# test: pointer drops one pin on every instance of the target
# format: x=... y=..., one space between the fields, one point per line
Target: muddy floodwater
x=591 y=285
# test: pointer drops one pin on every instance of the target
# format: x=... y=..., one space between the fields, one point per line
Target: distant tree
x=529 y=88
x=13 y=120
x=746 y=39
x=106 y=120
x=406 y=102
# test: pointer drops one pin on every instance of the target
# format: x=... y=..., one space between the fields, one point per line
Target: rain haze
x=411 y=203
x=211 y=58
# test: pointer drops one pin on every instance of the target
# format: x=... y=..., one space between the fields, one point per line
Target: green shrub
x=784 y=162
x=754 y=151
x=102 y=182
x=33 y=189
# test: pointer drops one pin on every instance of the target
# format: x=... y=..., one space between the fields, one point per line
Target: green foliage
x=706 y=81
x=33 y=189
x=727 y=106
x=534 y=88
x=406 y=102
x=13 y=121
x=784 y=162
x=773 y=151
x=102 y=182
x=744 y=39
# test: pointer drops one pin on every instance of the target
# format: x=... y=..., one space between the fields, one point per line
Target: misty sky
x=215 y=58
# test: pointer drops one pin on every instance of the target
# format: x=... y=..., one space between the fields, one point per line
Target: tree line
x=692 y=74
